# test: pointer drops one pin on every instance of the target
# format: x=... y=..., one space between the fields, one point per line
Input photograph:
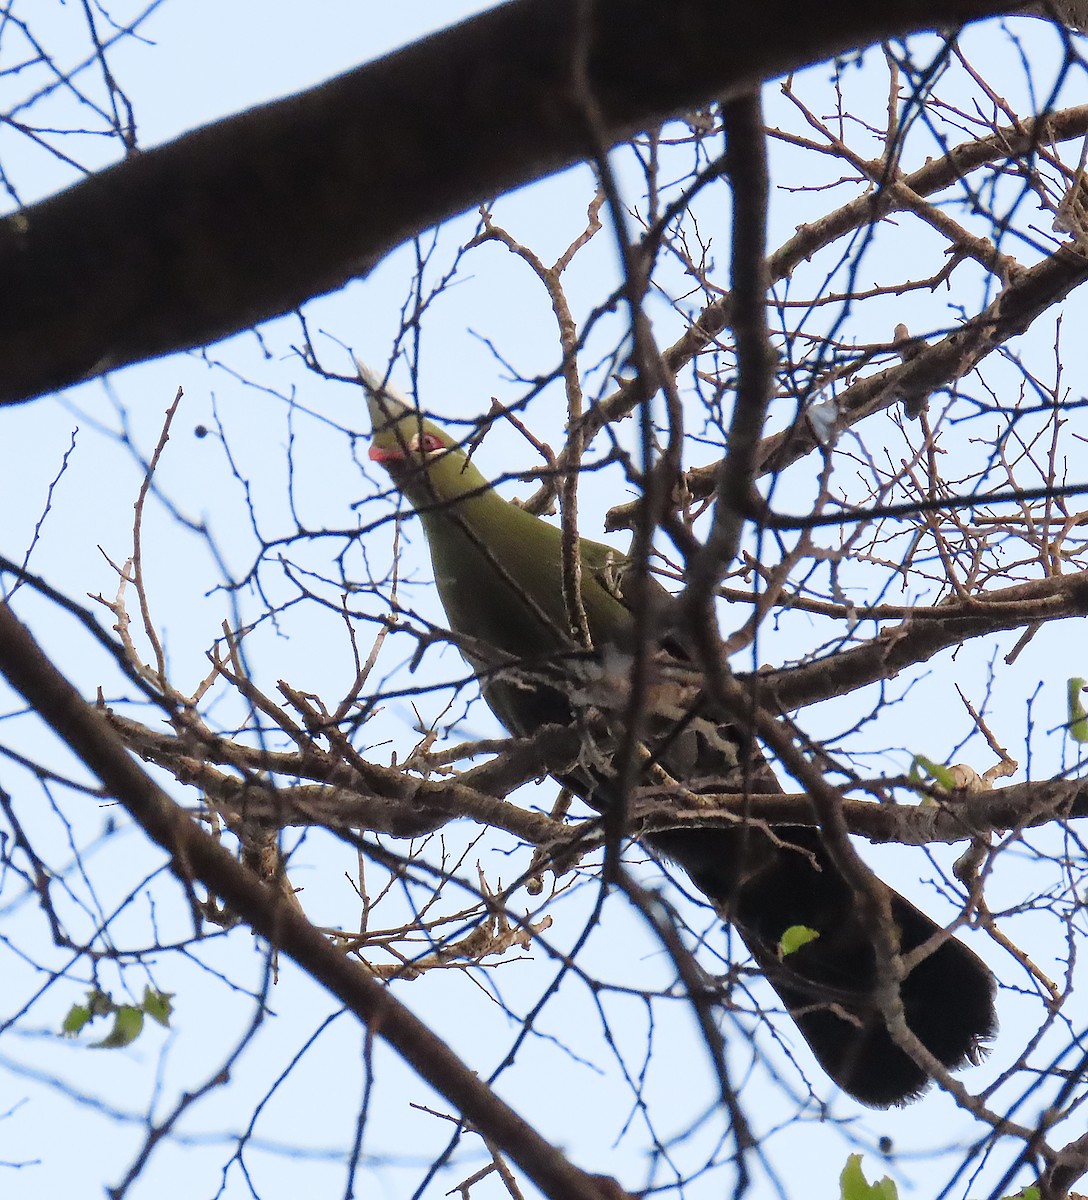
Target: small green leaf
x=127 y=1024
x=1078 y=718
x=940 y=775
x=853 y=1185
x=78 y=1016
x=98 y=1004
x=794 y=938
x=128 y=1019
x=157 y=1006
x=1031 y=1192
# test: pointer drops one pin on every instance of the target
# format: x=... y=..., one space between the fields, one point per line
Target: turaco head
x=425 y=463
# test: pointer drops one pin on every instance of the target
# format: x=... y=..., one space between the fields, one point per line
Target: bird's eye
x=425 y=443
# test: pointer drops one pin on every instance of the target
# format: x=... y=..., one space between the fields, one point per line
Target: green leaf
x=128 y=1019
x=1031 y=1192
x=78 y=1016
x=794 y=938
x=853 y=1185
x=98 y=1004
x=127 y=1025
x=157 y=1006
x=940 y=775
x=1078 y=718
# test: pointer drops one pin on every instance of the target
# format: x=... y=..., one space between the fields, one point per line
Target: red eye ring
x=423 y=444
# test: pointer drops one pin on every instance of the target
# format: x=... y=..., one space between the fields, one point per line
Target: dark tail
x=828 y=985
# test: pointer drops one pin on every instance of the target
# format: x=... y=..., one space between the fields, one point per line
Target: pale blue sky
x=202 y=60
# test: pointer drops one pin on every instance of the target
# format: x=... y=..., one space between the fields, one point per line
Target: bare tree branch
x=247 y=218
x=197 y=857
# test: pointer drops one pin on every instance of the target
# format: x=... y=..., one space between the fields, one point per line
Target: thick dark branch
x=746 y=163
x=196 y=856
x=386 y=800
x=915 y=641
x=955 y=819
x=247 y=218
x=961 y=816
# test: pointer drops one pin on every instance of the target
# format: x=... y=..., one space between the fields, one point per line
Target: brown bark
x=196 y=856
x=247 y=218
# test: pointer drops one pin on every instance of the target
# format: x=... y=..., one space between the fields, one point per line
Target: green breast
x=500 y=577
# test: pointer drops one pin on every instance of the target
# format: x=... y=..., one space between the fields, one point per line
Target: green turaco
x=499 y=574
